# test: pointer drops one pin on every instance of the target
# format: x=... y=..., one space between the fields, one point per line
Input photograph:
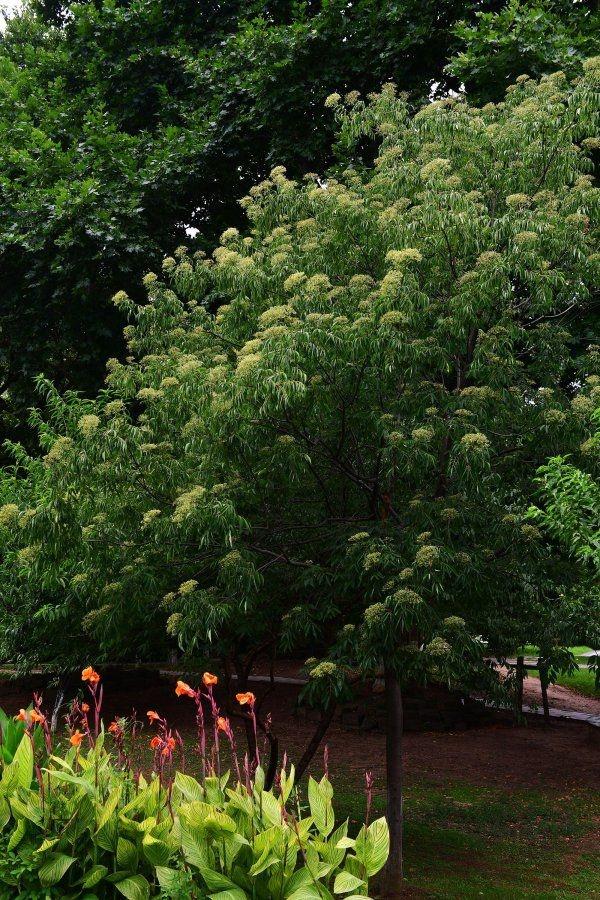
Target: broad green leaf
x=169 y=879
x=18 y=834
x=54 y=867
x=346 y=882
x=127 y=855
x=156 y=852
x=233 y=894
x=135 y=887
x=321 y=809
x=372 y=846
x=215 y=881
x=23 y=763
x=4 y=813
x=189 y=787
x=94 y=876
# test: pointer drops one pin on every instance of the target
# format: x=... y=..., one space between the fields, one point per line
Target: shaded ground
x=562 y=756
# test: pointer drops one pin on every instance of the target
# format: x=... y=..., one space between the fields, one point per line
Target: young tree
x=345 y=451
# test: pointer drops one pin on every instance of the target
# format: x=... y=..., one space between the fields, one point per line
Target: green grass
x=466 y=842
x=532 y=651
x=582 y=682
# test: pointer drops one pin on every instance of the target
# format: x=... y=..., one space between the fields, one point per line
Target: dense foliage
x=352 y=438
x=532 y=36
x=121 y=124
x=84 y=823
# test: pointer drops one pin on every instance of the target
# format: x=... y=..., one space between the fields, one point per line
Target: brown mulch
x=562 y=756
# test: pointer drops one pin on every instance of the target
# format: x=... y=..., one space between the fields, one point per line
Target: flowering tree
x=344 y=453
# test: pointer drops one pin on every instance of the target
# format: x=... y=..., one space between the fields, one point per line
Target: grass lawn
x=578 y=651
x=583 y=682
x=467 y=842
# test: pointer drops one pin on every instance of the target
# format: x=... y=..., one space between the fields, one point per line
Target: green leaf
x=5 y=813
x=233 y=894
x=127 y=855
x=169 y=879
x=18 y=834
x=156 y=852
x=189 y=787
x=345 y=882
x=135 y=887
x=94 y=876
x=373 y=846
x=23 y=763
x=215 y=881
x=321 y=809
x=54 y=867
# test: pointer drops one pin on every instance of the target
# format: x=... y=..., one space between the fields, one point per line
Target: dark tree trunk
x=242 y=687
x=327 y=715
x=519 y=691
x=392 y=876
x=543 y=670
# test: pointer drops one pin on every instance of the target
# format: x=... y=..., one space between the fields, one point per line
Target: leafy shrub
x=87 y=825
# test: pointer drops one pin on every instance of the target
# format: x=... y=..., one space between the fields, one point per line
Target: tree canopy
x=329 y=429
x=123 y=124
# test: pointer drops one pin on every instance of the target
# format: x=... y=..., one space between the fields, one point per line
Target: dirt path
x=560 y=697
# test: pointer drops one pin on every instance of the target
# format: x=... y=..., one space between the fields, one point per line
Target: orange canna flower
x=36 y=716
x=184 y=690
x=155 y=742
x=21 y=716
x=89 y=674
x=152 y=715
x=169 y=746
x=209 y=680
x=246 y=698
x=223 y=723
x=114 y=727
x=85 y=707
x=76 y=738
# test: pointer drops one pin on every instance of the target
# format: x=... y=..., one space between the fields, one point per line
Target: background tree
x=523 y=36
x=124 y=123
x=345 y=451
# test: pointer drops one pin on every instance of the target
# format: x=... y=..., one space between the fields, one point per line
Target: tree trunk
x=327 y=714
x=519 y=693
x=392 y=876
x=543 y=670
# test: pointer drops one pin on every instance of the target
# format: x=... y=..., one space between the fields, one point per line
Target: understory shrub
x=84 y=823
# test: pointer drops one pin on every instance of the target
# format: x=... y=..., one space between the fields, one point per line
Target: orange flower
x=85 y=707
x=209 y=680
x=36 y=716
x=114 y=727
x=169 y=746
x=223 y=724
x=246 y=698
x=184 y=690
x=89 y=674
x=155 y=742
x=21 y=716
x=76 y=738
x=153 y=716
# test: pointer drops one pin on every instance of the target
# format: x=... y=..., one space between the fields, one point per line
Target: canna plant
x=87 y=825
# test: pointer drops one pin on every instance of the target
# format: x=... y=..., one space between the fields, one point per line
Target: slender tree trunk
x=392 y=877
x=327 y=715
x=242 y=687
x=543 y=670
x=519 y=693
